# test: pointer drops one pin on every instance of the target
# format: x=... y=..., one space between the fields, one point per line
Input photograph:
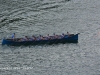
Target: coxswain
x=13 y=36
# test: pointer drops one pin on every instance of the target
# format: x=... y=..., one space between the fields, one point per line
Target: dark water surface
x=28 y=17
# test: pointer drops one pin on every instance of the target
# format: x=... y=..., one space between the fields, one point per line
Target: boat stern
x=3 y=42
x=6 y=42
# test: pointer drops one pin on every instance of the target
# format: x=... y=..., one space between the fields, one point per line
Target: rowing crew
x=40 y=37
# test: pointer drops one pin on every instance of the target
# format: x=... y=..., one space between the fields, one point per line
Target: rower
x=33 y=37
x=54 y=36
x=24 y=39
x=63 y=35
x=68 y=34
x=48 y=37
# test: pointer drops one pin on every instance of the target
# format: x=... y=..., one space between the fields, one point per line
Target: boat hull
x=66 y=39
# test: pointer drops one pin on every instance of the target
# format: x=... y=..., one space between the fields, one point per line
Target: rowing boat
x=65 y=39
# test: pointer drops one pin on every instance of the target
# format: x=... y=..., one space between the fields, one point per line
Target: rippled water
x=47 y=17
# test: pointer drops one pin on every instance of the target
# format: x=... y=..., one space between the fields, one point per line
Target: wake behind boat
x=72 y=38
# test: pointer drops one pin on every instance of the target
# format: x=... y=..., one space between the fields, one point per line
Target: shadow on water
x=6 y=21
x=10 y=20
x=56 y=6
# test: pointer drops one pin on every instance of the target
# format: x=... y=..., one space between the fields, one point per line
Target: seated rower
x=45 y=38
x=62 y=35
x=54 y=36
x=31 y=38
x=68 y=34
x=38 y=38
x=57 y=36
x=24 y=39
x=42 y=38
x=48 y=37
